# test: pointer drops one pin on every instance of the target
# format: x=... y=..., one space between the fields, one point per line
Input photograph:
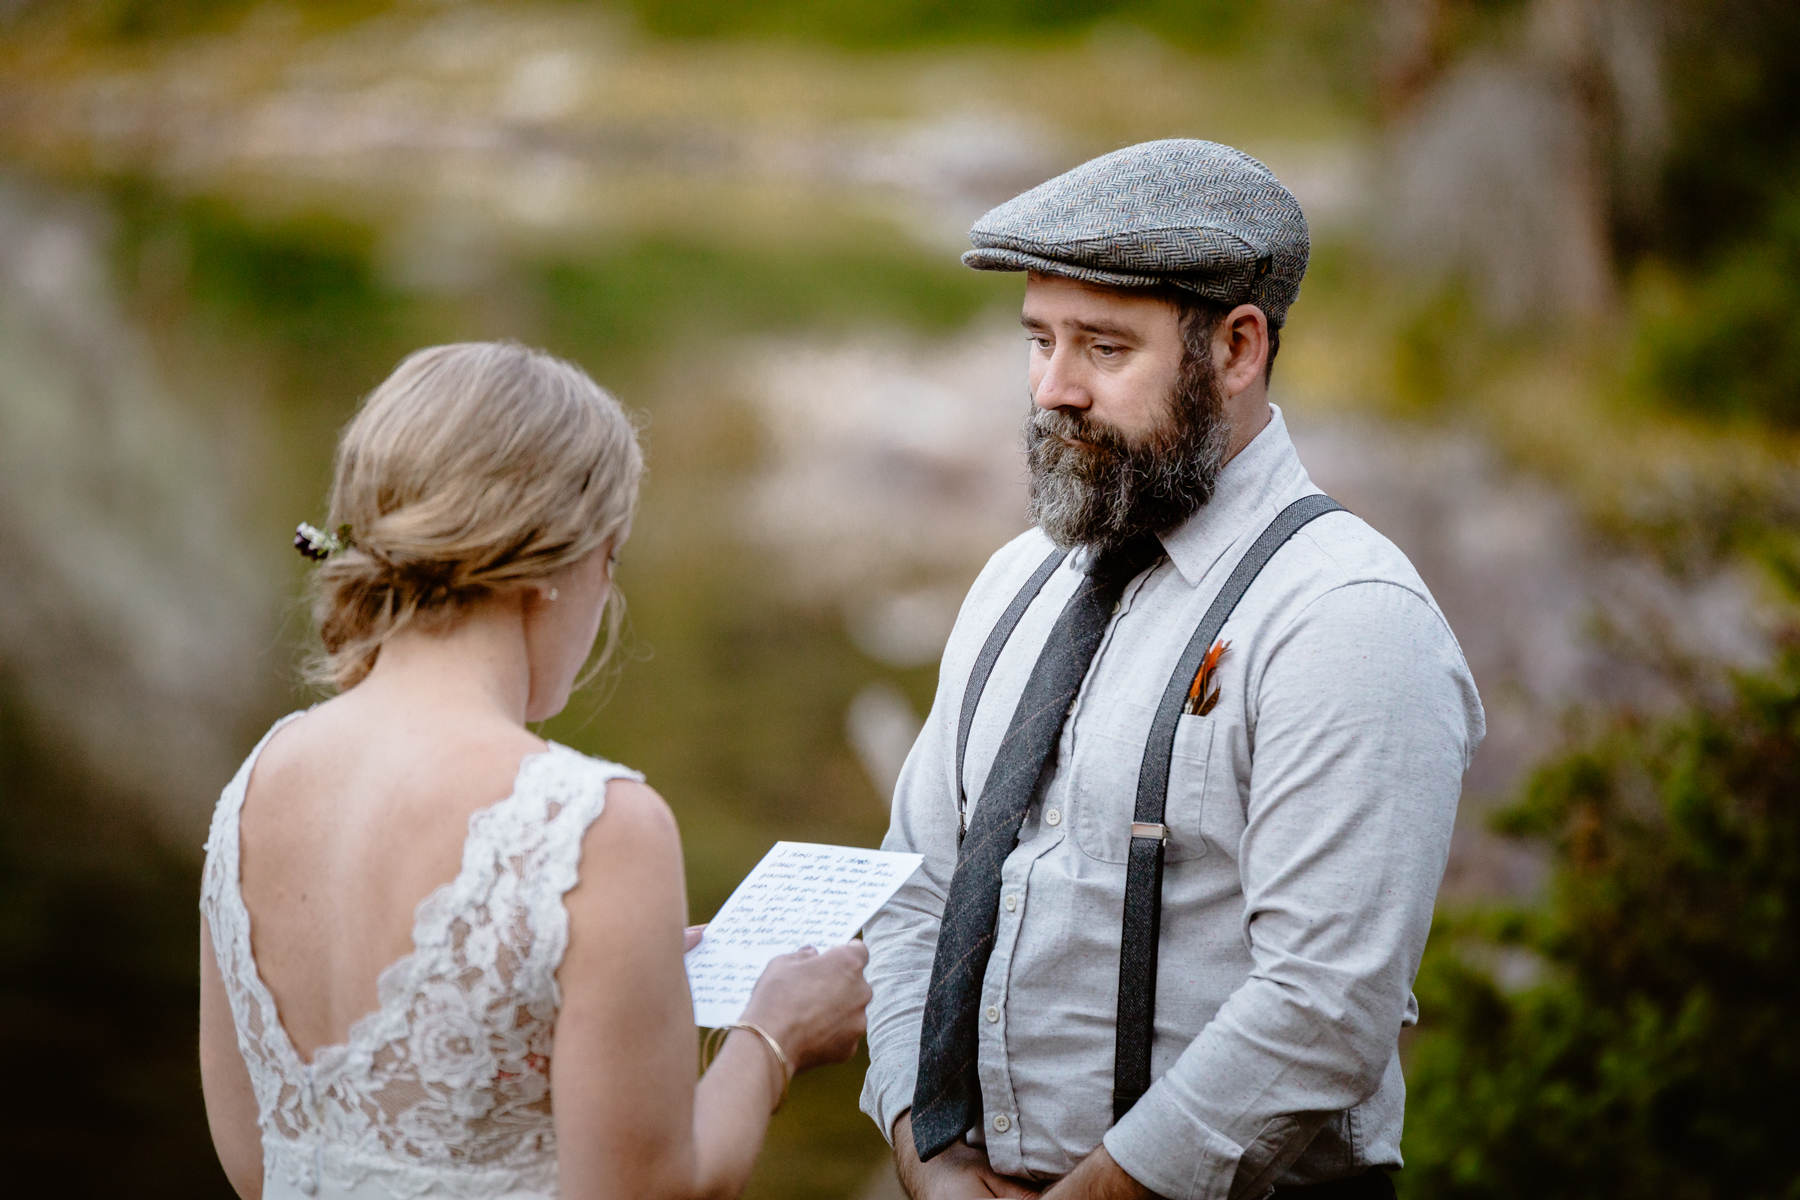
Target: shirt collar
x=1262 y=476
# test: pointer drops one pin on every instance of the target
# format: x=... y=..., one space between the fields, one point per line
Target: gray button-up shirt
x=1309 y=820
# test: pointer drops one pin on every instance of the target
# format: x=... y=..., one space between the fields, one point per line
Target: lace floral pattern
x=445 y=1087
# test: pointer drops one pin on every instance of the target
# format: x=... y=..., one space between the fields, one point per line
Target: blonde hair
x=474 y=468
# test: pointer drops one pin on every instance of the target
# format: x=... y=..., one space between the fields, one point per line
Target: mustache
x=1071 y=425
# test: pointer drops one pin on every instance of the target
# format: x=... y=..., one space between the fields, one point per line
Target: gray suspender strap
x=984 y=666
x=1149 y=836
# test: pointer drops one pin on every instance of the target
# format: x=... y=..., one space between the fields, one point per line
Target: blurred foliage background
x=1547 y=344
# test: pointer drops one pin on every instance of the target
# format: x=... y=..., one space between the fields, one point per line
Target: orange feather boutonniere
x=1203 y=693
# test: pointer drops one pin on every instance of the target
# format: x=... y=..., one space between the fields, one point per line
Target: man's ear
x=1240 y=348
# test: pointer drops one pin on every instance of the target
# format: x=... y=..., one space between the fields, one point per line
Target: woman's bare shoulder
x=629 y=902
x=636 y=829
x=444 y=754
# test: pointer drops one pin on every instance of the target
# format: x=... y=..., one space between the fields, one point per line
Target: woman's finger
x=690 y=937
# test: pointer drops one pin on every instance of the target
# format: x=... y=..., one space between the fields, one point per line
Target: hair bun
x=472 y=469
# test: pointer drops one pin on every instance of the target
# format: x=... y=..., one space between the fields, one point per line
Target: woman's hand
x=690 y=937
x=812 y=1003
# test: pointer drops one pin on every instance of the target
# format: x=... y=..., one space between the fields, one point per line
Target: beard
x=1111 y=490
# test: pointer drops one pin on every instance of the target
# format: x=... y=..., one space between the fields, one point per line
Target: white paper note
x=800 y=894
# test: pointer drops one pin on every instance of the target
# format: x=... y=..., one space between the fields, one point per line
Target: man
x=1284 y=789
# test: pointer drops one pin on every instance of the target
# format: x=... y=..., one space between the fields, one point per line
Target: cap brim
x=994 y=258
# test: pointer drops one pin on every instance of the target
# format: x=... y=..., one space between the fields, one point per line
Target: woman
x=407 y=893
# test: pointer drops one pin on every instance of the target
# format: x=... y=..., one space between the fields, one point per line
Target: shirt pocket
x=1103 y=790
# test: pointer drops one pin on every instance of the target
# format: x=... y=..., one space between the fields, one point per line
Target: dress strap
x=231 y=800
x=267 y=1052
x=532 y=842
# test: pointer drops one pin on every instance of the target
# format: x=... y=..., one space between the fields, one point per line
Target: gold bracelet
x=709 y=1049
x=787 y=1068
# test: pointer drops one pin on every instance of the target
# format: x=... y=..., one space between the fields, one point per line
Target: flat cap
x=1178 y=212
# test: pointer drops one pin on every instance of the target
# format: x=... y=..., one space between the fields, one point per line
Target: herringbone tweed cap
x=1181 y=212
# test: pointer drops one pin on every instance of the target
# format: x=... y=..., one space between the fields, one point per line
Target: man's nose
x=1059 y=383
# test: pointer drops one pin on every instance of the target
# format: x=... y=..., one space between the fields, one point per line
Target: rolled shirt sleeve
x=1365 y=719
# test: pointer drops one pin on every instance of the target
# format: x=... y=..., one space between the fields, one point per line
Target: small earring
x=552 y=594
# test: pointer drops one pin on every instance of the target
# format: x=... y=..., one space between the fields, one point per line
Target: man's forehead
x=1051 y=298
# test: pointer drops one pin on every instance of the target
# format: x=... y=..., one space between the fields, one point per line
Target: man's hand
x=959 y=1173
x=1098 y=1177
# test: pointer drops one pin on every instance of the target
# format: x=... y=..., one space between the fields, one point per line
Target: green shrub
x=1728 y=344
x=1655 y=1056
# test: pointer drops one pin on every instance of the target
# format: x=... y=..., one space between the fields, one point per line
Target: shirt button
x=1012 y=903
x=1001 y=1124
x=1053 y=817
x=992 y=1014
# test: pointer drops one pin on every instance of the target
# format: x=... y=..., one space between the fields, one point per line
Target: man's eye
x=1105 y=350
x=1042 y=343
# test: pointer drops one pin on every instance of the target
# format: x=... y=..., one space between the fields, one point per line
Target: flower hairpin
x=318 y=545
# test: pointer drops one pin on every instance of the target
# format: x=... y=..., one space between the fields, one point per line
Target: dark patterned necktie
x=947 y=1096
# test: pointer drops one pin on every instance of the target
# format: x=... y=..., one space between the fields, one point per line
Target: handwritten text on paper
x=800 y=894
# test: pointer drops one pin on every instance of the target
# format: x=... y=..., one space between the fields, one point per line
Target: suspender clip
x=1150 y=829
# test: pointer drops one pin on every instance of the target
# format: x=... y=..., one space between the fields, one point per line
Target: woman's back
x=351 y=818
x=386 y=908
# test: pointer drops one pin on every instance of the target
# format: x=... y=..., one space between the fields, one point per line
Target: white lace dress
x=443 y=1090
